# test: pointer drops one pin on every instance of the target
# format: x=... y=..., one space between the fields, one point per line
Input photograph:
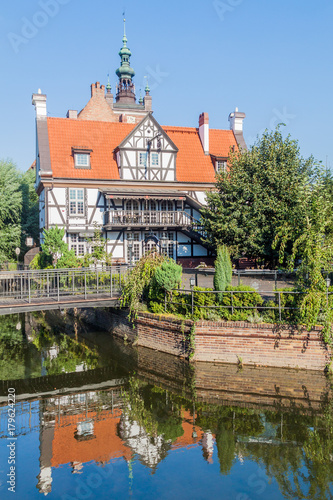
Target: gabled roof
x=101 y=137
x=104 y=137
x=150 y=118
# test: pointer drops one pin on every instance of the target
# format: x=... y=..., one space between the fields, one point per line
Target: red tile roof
x=103 y=137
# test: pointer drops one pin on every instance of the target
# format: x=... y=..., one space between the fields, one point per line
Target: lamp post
x=163 y=240
x=130 y=246
x=192 y=281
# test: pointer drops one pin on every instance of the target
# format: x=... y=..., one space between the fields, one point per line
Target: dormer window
x=221 y=166
x=81 y=158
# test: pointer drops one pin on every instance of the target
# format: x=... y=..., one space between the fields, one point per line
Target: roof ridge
x=80 y=120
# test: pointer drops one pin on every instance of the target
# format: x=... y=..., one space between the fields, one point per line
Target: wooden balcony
x=147 y=219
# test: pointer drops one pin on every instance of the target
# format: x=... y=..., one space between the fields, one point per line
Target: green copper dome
x=125 y=70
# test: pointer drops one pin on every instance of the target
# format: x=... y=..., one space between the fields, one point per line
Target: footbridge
x=26 y=291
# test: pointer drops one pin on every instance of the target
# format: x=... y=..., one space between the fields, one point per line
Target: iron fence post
x=73 y=283
x=238 y=277
x=232 y=302
x=58 y=285
x=279 y=305
x=120 y=279
x=111 y=282
x=192 y=301
x=29 y=295
x=85 y=285
x=97 y=288
x=165 y=301
x=47 y=284
x=275 y=279
x=21 y=285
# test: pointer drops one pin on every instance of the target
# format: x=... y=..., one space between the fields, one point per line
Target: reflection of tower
x=46 y=434
x=151 y=449
x=208 y=446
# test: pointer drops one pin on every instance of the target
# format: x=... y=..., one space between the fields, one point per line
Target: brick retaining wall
x=222 y=342
x=263 y=344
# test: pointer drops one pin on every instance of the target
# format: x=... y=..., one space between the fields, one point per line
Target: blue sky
x=270 y=58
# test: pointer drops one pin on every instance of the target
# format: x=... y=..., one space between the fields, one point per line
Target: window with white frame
x=167 y=243
x=221 y=166
x=143 y=159
x=76 y=202
x=77 y=243
x=154 y=159
x=133 y=247
x=82 y=160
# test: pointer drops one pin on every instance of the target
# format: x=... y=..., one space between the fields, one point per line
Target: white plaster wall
x=201 y=195
x=92 y=195
x=117 y=252
x=60 y=195
x=54 y=216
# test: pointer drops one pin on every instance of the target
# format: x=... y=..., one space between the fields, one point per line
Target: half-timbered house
x=112 y=165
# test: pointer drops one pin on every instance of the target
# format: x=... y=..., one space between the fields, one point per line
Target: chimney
x=39 y=101
x=236 y=125
x=147 y=100
x=204 y=132
x=71 y=113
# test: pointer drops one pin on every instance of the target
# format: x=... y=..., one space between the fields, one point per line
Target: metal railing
x=148 y=218
x=275 y=294
x=57 y=283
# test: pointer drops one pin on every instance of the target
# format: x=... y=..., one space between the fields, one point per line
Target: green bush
x=291 y=300
x=201 y=302
x=242 y=299
x=169 y=275
x=223 y=270
x=157 y=307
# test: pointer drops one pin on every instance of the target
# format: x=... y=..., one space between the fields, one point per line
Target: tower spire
x=126 y=89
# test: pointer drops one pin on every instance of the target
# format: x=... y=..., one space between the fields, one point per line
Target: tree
x=53 y=244
x=223 y=270
x=55 y=251
x=30 y=212
x=169 y=275
x=98 y=246
x=259 y=191
x=310 y=230
x=10 y=210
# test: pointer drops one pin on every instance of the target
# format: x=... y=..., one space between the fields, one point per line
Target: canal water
x=96 y=418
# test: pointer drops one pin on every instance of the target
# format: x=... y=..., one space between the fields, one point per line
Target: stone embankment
x=219 y=342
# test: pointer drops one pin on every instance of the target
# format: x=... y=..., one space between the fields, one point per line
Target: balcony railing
x=147 y=218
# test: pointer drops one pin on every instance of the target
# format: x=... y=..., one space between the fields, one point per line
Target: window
x=166 y=205
x=76 y=202
x=154 y=159
x=77 y=243
x=221 y=166
x=133 y=247
x=167 y=243
x=143 y=159
x=82 y=160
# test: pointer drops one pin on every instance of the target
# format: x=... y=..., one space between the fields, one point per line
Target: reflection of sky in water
x=183 y=473
x=113 y=435
x=86 y=446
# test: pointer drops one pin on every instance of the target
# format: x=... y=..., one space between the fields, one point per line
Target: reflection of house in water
x=92 y=426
